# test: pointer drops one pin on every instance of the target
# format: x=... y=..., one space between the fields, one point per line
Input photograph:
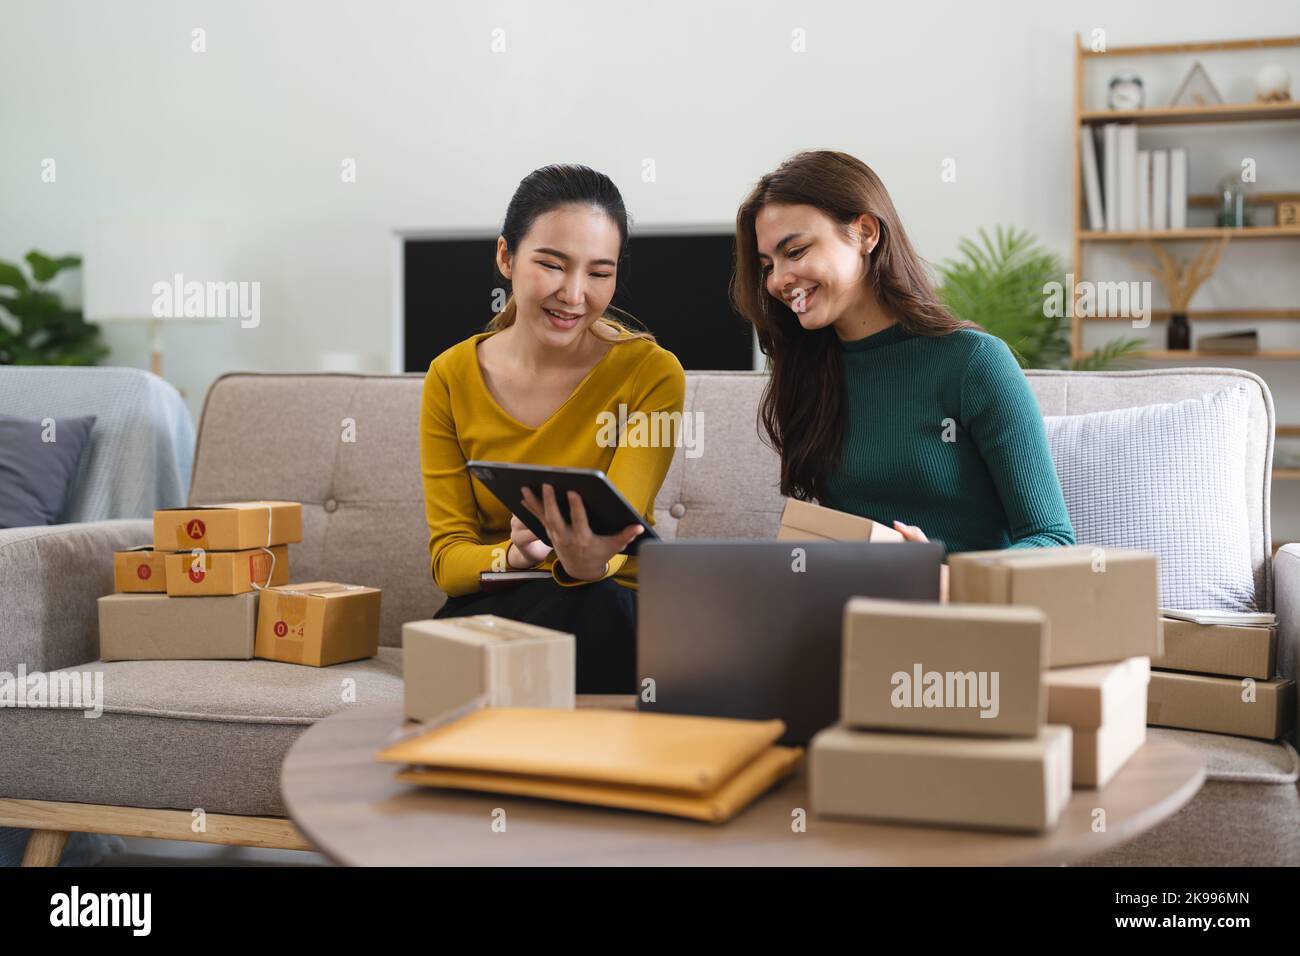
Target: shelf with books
x=1112 y=173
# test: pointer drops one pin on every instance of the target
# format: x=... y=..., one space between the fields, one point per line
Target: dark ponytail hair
x=547 y=189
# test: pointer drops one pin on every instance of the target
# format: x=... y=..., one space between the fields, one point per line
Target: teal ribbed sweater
x=992 y=485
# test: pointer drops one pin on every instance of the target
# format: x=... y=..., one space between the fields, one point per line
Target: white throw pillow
x=1170 y=479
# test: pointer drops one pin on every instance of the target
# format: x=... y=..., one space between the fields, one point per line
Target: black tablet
x=608 y=512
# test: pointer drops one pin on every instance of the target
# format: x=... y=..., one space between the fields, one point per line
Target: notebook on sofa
x=1211 y=615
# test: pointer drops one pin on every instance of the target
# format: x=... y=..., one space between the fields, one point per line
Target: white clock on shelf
x=1125 y=92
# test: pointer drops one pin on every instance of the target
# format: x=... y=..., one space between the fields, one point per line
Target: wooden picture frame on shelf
x=1197 y=89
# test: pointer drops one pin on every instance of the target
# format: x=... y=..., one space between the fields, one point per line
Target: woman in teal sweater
x=880 y=401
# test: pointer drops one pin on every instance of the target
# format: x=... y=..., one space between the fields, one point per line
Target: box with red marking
x=233 y=526
x=318 y=623
x=208 y=573
x=139 y=571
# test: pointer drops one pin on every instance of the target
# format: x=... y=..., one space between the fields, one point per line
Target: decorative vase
x=1179 y=333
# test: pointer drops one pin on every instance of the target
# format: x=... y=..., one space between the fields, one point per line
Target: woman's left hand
x=584 y=554
x=910 y=532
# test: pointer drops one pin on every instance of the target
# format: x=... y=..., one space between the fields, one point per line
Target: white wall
x=254 y=131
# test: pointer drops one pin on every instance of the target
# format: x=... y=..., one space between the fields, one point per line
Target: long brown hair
x=804 y=409
x=549 y=188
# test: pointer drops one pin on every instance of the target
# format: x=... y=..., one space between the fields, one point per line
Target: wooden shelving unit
x=1164 y=354
x=1202 y=232
x=1180 y=115
x=1219 y=315
x=1227 y=113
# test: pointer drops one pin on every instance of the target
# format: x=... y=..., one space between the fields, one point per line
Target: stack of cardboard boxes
x=1215 y=674
x=212 y=586
x=942 y=719
x=984 y=712
x=1102 y=608
x=1220 y=678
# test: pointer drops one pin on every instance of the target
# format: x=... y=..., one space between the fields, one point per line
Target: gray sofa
x=211 y=735
x=138 y=458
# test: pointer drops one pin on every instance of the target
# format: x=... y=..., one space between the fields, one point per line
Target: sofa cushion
x=1167 y=478
x=1062 y=392
x=1244 y=815
x=1241 y=759
x=184 y=734
x=37 y=469
x=730 y=488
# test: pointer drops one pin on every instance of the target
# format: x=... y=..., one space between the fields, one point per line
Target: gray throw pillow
x=38 y=462
x=1170 y=479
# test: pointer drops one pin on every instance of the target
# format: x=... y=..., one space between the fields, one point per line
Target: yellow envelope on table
x=704 y=768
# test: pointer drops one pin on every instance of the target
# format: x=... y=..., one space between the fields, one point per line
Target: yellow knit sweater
x=469 y=530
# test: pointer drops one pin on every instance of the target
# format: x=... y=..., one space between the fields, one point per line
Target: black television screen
x=675 y=284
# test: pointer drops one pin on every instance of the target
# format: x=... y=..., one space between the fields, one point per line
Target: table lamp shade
x=125 y=259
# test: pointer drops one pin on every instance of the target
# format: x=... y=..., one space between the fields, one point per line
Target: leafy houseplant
x=35 y=327
x=999 y=284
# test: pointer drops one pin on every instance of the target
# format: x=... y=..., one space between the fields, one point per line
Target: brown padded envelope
x=754 y=779
x=694 y=755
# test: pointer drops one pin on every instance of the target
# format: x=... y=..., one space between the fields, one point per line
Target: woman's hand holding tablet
x=584 y=554
x=602 y=524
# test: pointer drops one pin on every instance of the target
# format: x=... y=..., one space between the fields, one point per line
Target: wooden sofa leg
x=45 y=847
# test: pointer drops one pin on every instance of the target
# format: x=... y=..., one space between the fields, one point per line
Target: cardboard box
x=154 y=627
x=1215 y=704
x=447 y=663
x=139 y=571
x=318 y=623
x=1017 y=783
x=804 y=521
x=233 y=526
x=1106 y=707
x=225 y=572
x=944 y=668
x=1102 y=604
x=1221 y=649
x=1100 y=752
x=1086 y=698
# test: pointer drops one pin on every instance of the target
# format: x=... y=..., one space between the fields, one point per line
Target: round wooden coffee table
x=348 y=805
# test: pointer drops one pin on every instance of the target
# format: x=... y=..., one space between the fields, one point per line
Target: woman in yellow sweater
x=538 y=388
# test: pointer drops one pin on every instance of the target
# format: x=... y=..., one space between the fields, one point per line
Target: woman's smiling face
x=564 y=272
x=810 y=264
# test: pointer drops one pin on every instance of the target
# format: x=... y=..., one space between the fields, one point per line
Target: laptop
x=752 y=629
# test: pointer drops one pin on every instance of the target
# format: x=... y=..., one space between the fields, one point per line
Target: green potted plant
x=999 y=283
x=35 y=326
